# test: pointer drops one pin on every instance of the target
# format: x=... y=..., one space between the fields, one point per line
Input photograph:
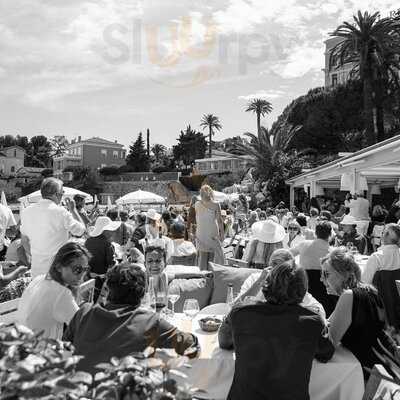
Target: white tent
x=68 y=193
x=140 y=197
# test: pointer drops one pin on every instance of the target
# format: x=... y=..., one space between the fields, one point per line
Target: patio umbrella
x=140 y=197
x=219 y=196
x=68 y=193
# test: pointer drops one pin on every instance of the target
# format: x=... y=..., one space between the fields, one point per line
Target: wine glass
x=173 y=298
x=161 y=293
x=191 y=308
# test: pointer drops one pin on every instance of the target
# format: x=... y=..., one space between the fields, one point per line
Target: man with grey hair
x=47 y=225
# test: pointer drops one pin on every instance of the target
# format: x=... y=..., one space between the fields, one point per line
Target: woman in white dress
x=49 y=300
x=209 y=229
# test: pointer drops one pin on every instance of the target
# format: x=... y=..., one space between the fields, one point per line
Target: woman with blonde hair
x=209 y=229
x=358 y=319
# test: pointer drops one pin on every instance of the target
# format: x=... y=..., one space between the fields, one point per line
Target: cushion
x=194 y=288
x=223 y=276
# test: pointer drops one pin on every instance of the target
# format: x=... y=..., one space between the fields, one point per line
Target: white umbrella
x=68 y=193
x=140 y=197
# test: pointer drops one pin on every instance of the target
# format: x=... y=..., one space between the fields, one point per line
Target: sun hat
x=273 y=218
x=348 y=220
x=153 y=215
x=268 y=231
x=104 y=224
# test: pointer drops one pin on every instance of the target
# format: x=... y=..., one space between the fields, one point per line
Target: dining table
x=212 y=371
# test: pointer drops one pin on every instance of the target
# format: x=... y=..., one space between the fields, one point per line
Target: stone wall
x=173 y=191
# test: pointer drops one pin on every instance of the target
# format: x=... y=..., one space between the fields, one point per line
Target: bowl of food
x=210 y=324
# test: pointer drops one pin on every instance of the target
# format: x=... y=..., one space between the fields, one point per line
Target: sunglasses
x=79 y=269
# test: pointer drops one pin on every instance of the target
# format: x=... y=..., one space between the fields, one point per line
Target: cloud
x=264 y=94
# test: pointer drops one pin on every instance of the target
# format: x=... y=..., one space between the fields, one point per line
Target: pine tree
x=137 y=158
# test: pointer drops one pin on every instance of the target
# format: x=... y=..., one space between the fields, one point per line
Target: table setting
x=212 y=372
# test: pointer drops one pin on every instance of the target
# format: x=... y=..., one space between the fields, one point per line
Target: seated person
x=253 y=285
x=122 y=326
x=348 y=234
x=328 y=216
x=275 y=340
x=267 y=237
x=125 y=231
x=140 y=231
x=15 y=250
x=388 y=255
x=293 y=236
x=181 y=247
x=49 y=300
x=358 y=319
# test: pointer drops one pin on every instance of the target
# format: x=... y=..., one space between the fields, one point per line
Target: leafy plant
x=33 y=367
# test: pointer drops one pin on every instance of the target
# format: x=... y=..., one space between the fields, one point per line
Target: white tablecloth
x=339 y=379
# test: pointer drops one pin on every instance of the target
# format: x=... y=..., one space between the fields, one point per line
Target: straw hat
x=104 y=224
x=153 y=215
x=348 y=220
x=268 y=231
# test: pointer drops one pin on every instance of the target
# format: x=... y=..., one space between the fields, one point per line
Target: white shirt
x=295 y=242
x=46 y=305
x=359 y=209
x=386 y=258
x=308 y=302
x=47 y=225
x=6 y=220
x=183 y=248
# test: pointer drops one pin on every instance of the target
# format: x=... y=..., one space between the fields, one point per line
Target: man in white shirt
x=48 y=225
x=359 y=209
x=388 y=255
x=7 y=221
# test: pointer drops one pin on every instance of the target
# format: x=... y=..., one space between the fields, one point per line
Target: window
x=115 y=153
x=79 y=151
x=334 y=80
x=103 y=152
x=122 y=154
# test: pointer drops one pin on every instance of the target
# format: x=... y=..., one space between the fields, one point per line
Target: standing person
x=359 y=209
x=210 y=229
x=101 y=249
x=191 y=220
x=349 y=234
x=7 y=221
x=140 y=231
x=293 y=236
x=47 y=225
x=49 y=302
x=242 y=210
x=87 y=218
x=125 y=231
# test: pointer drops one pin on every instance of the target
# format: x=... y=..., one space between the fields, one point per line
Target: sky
x=113 y=68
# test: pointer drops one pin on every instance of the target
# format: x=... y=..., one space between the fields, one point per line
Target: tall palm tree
x=158 y=151
x=372 y=45
x=211 y=122
x=260 y=107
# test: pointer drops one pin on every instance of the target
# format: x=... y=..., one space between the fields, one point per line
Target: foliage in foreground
x=32 y=367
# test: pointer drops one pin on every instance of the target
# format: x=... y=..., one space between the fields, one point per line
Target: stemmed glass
x=173 y=298
x=191 y=308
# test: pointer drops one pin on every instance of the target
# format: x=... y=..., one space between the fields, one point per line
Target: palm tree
x=211 y=122
x=158 y=150
x=372 y=45
x=261 y=107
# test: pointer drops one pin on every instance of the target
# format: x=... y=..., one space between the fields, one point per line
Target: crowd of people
x=307 y=294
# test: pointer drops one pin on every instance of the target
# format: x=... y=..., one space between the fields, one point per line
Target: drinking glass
x=349 y=246
x=161 y=294
x=173 y=297
x=191 y=308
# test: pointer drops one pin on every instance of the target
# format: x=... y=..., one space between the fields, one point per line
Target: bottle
x=229 y=297
x=151 y=294
x=160 y=232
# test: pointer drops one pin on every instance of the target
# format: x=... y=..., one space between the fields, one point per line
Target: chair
x=184 y=260
x=236 y=263
x=86 y=292
x=8 y=311
x=385 y=282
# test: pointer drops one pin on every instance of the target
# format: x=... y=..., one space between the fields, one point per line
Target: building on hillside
x=94 y=153
x=11 y=160
x=335 y=74
x=222 y=162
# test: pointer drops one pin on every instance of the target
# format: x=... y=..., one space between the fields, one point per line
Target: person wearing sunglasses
x=293 y=236
x=49 y=301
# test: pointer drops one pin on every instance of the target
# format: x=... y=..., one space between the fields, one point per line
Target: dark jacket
x=138 y=234
x=102 y=254
x=101 y=332
x=275 y=346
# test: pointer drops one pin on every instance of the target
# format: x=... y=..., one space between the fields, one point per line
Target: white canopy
x=220 y=197
x=140 y=197
x=68 y=193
